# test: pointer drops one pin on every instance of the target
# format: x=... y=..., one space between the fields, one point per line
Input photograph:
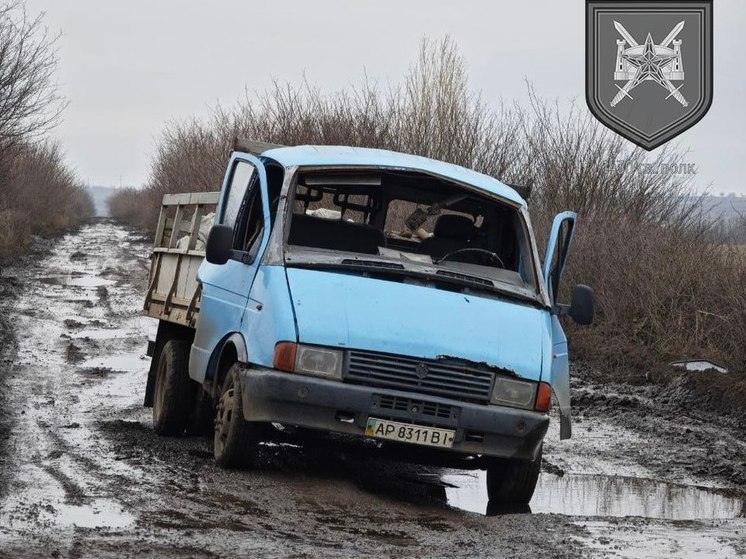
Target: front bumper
x=304 y=401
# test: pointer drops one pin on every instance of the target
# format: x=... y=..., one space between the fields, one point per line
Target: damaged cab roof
x=304 y=156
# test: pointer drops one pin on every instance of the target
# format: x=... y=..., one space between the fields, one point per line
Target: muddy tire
x=236 y=441
x=174 y=390
x=202 y=416
x=512 y=482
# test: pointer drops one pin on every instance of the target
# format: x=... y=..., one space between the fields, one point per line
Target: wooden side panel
x=173 y=291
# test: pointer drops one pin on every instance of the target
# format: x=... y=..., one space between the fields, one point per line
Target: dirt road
x=82 y=474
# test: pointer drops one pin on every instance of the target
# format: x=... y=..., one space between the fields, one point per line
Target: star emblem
x=652 y=63
x=648 y=63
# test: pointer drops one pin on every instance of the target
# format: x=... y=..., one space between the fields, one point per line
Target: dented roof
x=353 y=156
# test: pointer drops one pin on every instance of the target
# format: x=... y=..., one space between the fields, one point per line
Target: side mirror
x=581 y=305
x=219 y=247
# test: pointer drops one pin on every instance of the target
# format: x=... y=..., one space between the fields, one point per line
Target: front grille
x=432 y=409
x=426 y=376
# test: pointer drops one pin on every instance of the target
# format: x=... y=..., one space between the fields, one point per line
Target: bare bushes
x=578 y=163
x=15 y=232
x=667 y=285
x=659 y=287
x=38 y=193
x=662 y=283
x=126 y=204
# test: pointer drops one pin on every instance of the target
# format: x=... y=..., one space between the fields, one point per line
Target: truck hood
x=351 y=311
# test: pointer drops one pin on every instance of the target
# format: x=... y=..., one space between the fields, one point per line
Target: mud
x=84 y=475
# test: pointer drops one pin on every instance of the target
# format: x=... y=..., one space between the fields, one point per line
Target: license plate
x=408 y=433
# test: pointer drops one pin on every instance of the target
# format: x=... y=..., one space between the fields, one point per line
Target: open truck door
x=580 y=309
x=233 y=251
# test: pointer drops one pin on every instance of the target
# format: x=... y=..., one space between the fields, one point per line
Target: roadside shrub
x=659 y=287
x=39 y=195
x=15 y=231
x=662 y=283
x=125 y=204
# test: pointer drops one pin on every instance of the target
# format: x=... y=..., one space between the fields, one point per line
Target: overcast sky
x=127 y=67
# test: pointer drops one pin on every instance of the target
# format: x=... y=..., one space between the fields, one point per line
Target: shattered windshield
x=417 y=220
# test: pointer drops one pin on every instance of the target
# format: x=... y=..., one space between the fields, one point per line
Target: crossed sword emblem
x=649 y=65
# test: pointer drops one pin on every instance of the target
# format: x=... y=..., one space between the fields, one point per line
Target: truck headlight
x=309 y=360
x=512 y=392
x=318 y=361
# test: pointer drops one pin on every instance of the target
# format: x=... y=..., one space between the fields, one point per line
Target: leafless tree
x=29 y=100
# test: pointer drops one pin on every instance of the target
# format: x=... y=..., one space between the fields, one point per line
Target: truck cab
x=372 y=294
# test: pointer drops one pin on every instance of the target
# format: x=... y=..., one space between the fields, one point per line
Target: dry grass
x=663 y=288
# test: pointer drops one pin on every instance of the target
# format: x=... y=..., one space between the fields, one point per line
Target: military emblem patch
x=649 y=66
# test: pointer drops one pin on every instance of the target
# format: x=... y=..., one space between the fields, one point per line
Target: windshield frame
x=280 y=252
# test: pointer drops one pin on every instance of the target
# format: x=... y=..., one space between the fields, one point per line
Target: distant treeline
x=39 y=195
x=728 y=214
x=667 y=285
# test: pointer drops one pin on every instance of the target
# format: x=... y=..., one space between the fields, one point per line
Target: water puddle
x=661 y=541
x=99 y=334
x=76 y=280
x=600 y=495
x=123 y=362
x=99 y=514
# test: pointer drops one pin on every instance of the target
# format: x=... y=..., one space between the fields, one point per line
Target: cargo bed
x=173 y=291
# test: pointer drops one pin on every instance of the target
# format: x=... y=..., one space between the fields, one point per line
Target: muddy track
x=7 y=356
x=85 y=476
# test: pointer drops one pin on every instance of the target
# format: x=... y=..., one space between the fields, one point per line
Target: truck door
x=555 y=258
x=226 y=287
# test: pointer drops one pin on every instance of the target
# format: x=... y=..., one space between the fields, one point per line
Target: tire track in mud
x=7 y=356
x=63 y=318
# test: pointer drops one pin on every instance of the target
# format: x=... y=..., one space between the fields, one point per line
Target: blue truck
x=366 y=293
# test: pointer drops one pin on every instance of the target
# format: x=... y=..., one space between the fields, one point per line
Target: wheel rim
x=224 y=416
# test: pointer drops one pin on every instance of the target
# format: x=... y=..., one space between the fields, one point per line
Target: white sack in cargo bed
x=204 y=230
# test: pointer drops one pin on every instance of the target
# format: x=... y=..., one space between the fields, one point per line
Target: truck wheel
x=173 y=389
x=512 y=481
x=236 y=441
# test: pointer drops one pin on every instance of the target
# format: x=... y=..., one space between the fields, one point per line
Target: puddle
x=699 y=365
x=77 y=281
x=661 y=541
x=600 y=495
x=99 y=514
x=99 y=334
x=123 y=362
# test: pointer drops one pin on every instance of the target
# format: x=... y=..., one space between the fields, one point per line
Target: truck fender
x=228 y=352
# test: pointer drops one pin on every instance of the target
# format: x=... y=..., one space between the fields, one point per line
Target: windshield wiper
x=394 y=268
